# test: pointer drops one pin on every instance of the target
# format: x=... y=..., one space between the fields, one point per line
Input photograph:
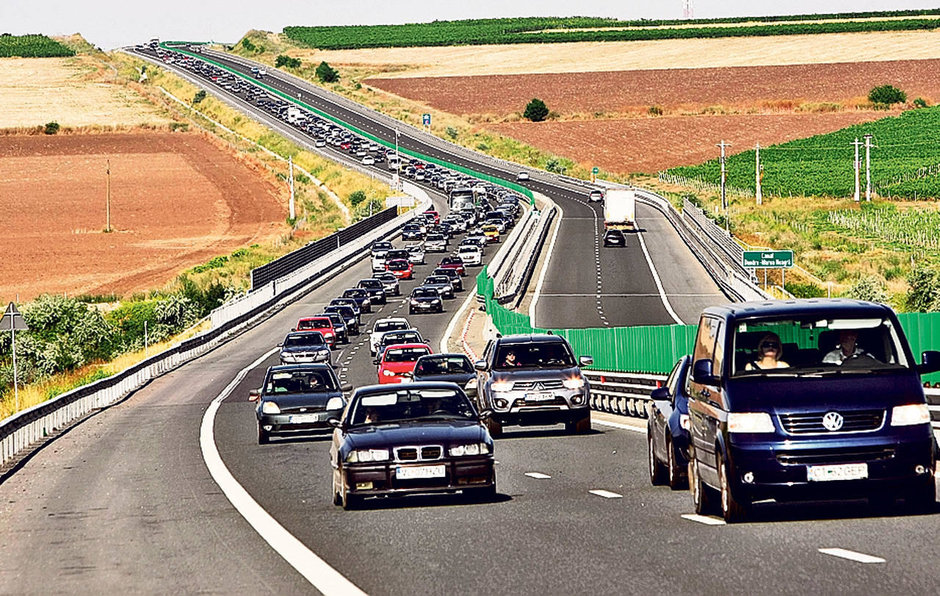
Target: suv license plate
x=412 y=472
x=539 y=397
x=837 y=472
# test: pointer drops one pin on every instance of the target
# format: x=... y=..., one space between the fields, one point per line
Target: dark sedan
x=425 y=300
x=453 y=368
x=297 y=398
x=417 y=438
x=614 y=238
x=339 y=326
x=375 y=288
x=361 y=296
x=349 y=317
x=667 y=431
x=351 y=303
x=453 y=275
x=304 y=346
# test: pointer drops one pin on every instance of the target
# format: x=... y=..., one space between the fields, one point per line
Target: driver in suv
x=533 y=380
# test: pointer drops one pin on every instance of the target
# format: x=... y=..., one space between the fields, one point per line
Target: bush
x=326 y=73
x=807 y=290
x=886 y=95
x=51 y=128
x=920 y=102
x=200 y=95
x=246 y=43
x=655 y=111
x=451 y=132
x=535 y=110
x=287 y=61
x=924 y=292
x=357 y=197
x=871 y=289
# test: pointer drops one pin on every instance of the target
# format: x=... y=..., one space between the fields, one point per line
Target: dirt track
x=177 y=200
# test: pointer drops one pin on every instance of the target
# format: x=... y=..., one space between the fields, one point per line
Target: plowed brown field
x=177 y=200
x=622 y=91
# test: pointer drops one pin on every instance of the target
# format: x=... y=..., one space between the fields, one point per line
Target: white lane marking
x=314 y=569
x=538 y=475
x=851 y=555
x=635 y=429
x=605 y=493
x=708 y=521
x=659 y=283
x=545 y=264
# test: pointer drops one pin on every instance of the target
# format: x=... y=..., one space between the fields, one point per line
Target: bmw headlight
x=286 y=356
x=436 y=301
x=269 y=407
x=367 y=455
x=413 y=301
x=574 y=383
x=501 y=386
x=335 y=403
x=469 y=450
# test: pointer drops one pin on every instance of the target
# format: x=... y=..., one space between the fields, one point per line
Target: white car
x=378 y=262
x=382 y=326
x=522 y=176
x=368 y=160
x=470 y=254
x=415 y=253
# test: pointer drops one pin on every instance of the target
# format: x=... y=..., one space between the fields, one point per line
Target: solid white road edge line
x=659 y=283
x=453 y=321
x=314 y=569
x=851 y=555
x=708 y=521
x=605 y=493
x=548 y=260
x=635 y=429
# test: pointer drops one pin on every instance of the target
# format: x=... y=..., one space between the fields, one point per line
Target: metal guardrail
x=626 y=394
x=513 y=286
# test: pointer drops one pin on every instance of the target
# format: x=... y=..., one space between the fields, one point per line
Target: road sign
x=595 y=170
x=768 y=259
x=426 y=119
x=12 y=320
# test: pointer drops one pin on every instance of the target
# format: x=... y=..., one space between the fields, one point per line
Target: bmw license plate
x=414 y=472
x=539 y=397
x=305 y=418
x=837 y=472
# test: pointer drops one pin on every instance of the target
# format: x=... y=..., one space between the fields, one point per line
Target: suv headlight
x=574 y=383
x=335 y=403
x=501 y=386
x=471 y=449
x=367 y=455
x=910 y=415
x=269 y=407
x=750 y=422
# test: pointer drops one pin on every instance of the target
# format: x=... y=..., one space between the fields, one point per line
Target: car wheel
x=923 y=497
x=495 y=427
x=702 y=499
x=732 y=509
x=411 y=311
x=482 y=495
x=263 y=437
x=675 y=475
x=580 y=426
x=337 y=494
x=656 y=470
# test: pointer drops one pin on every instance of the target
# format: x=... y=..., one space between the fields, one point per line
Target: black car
x=667 y=431
x=453 y=275
x=361 y=296
x=453 y=368
x=375 y=288
x=303 y=347
x=339 y=326
x=349 y=317
x=614 y=237
x=351 y=303
x=416 y=438
x=425 y=300
x=297 y=398
x=442 y=284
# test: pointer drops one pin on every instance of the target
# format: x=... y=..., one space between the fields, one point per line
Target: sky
x=113 y=23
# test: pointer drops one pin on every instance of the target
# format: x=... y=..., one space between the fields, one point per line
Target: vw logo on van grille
x=833 y=421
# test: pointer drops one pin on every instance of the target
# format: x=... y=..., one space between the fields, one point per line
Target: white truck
x=620 y=208
x=295 y=115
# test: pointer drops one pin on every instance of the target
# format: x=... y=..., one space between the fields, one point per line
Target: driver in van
x=847 y=348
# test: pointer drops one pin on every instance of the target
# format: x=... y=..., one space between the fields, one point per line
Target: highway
x=124 y=501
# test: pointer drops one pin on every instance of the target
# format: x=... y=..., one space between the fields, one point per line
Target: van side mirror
x=702 y=373
x=660 y=394
x=480 y=365
x=929 y=362
x=586 y=360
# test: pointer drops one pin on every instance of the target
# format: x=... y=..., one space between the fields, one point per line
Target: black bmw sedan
x=412 y=438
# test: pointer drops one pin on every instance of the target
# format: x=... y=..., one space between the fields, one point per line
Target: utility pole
x=107 y=227
x=724 y=197
x=858 y=166
x=868 y=167
x=758 y=174
x=290 y=165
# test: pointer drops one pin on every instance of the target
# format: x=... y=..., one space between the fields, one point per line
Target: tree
x=870 y=288
x=886 y=95
x=51 y=128
x=326 y=73
x=924 y=293
x=356 y=197
x=536 y=110
x=200 y=95
x=287 y=61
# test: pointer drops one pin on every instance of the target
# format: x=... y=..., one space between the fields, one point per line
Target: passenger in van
x=769 y=352
x=846 y=349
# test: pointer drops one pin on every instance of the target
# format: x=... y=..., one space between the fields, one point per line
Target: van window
x=705 y=341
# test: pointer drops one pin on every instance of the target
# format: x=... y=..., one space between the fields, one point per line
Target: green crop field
x=31 y=46
x=555 y=29
x=905 y=161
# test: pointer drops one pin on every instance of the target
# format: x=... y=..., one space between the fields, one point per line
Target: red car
x=322 y=324
x=397 y=363
x=400 y=268
x=434 y=214
x=455 y=263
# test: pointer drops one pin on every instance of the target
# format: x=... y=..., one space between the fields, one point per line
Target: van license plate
x=837 y=472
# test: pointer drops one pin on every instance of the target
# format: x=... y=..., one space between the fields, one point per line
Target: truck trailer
x=620 y=209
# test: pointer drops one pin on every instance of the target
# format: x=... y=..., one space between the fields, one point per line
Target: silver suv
x=533 y=380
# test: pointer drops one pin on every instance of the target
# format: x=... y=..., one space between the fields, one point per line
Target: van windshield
x=816 y=346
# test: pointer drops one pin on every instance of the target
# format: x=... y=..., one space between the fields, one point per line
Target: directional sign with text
x=768 y=259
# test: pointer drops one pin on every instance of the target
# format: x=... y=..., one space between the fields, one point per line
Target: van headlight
x=910 y=415
x=750 y=422
x=367 y=455
x=574 y=383
x=335 y=403
x=269 y=407
x=501 y=386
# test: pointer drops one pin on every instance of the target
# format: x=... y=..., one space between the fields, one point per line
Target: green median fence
x=655 y=349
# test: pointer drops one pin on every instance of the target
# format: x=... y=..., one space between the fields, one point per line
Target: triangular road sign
x=12 y=320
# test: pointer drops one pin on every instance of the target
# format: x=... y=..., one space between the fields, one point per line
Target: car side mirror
x=480 y=365
x=335 y=422
x=345 y=388
x=486 y=414
x=702 y=373
x=293 y=329
x=375 y=361
x=586 y=360
x=662 y=393
x=470 y=388
x=930 y=362
x=254 y=395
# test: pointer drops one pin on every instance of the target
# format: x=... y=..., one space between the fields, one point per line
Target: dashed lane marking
x=701 y=519
x=605 y=493
x=851 y=555
x=538 y=475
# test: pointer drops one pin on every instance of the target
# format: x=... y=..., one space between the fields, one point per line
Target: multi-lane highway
x=125 y=502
